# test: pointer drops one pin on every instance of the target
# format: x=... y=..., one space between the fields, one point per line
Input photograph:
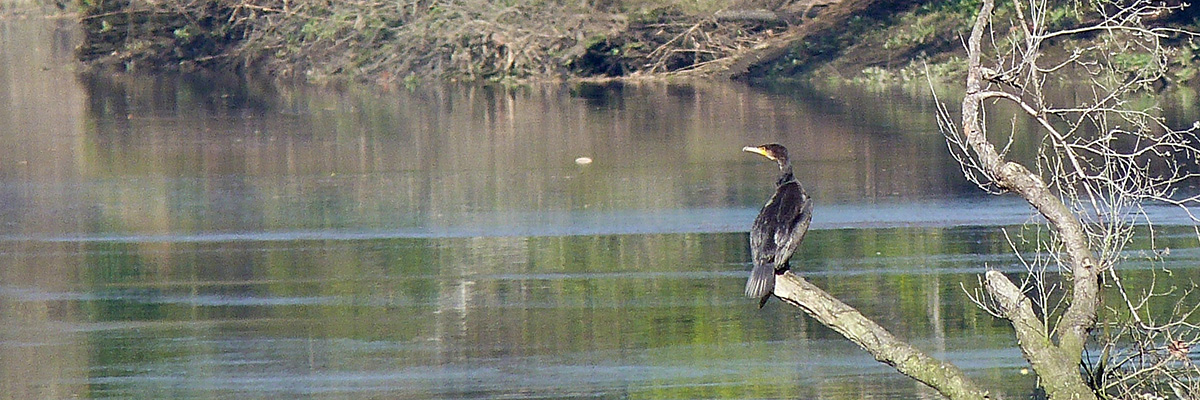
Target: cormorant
x=780 y=225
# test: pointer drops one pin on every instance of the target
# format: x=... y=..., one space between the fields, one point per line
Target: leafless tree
x=1101 y=162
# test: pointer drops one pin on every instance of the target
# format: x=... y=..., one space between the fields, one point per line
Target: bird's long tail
x=761 y=283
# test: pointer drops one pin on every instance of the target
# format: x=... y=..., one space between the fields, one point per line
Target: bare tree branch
x=944 y=377
x=1100 y=162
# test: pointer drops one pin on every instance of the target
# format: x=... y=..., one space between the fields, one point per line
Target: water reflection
x=444 y=156
x=202 y=236
x=617 y=316
x=442 y=243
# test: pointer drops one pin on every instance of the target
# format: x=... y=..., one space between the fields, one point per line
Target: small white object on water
x=583 y=160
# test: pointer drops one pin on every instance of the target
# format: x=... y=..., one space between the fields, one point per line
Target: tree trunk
x=1056 y=364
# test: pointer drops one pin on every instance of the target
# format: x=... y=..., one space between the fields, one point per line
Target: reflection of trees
x=600 y=295
x=42 y=357
x=40 y=109
x=435 y=157
x=438 y=157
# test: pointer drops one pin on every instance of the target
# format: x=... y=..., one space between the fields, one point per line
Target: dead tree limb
x=944 y=377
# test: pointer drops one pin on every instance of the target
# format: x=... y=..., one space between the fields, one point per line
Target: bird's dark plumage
x=780 y=226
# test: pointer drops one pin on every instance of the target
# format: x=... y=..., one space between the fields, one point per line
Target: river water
x=216 y=237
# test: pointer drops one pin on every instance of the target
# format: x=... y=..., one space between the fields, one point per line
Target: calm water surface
x=205 y=237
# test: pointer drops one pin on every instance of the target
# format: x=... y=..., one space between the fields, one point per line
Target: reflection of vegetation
x=109 y=267
x=351 y=161
x=661 y=302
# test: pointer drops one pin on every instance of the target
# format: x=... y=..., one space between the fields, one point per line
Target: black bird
x=780 y=226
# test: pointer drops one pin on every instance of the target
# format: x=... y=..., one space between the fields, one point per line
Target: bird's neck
x=785 y=175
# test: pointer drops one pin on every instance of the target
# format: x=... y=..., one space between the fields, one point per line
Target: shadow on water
x=187 y=237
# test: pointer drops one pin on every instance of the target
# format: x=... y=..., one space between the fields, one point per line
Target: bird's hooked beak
x=758 y=150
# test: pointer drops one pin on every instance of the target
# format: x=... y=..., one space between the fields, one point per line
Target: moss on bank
x=506 y=40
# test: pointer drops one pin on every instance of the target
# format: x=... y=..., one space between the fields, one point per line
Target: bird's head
x=774 y=151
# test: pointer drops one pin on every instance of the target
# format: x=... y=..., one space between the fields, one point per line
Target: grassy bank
x=392 y=41
x=515 y=40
